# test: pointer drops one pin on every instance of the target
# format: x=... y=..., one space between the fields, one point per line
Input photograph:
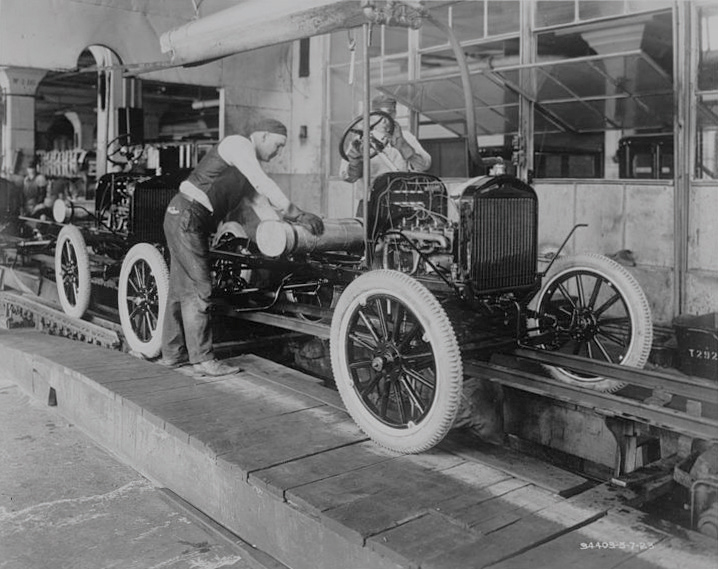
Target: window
x=594 y=85
x=600 y=71
x=389 y=58
x=559 y=12
x=707 y=95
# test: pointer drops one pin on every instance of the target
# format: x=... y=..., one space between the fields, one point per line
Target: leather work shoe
x=215 y=367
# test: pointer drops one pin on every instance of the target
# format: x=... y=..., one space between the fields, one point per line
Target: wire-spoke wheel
x=72 y=271
x=396 y=361
x=596 y=309
x=142 y=298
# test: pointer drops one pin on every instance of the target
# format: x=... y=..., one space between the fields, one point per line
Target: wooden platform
x=270 y=454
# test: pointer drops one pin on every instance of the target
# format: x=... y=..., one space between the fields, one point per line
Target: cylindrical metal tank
x=276 y=238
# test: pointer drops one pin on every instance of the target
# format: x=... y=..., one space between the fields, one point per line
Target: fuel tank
x=277 y=238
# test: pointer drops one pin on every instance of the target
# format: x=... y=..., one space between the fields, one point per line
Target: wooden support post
x=630 y=444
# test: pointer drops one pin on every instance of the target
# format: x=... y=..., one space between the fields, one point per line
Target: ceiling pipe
x=252 y=24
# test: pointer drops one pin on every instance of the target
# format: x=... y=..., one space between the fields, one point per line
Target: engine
x=484 y=239
x=409 y=224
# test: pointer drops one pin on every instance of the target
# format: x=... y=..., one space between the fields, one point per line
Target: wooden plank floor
x=271 y=454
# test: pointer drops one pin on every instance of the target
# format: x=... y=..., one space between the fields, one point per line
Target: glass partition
x=707 y=96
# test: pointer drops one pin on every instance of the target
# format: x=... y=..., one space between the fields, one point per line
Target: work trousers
x=187 y=331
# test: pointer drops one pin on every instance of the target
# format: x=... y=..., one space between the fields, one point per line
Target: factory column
x=17 y=136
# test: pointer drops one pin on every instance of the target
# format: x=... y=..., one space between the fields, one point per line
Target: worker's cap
x=383 y=103
x=270 y=125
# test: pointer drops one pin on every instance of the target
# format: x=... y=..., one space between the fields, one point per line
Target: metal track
x=651 y=411
x=694 y=388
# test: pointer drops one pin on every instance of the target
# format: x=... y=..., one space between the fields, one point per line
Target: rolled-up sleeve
x=418 y=159
x=239 y=152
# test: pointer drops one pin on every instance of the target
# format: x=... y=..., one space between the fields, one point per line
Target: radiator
x=498 y=248
x=147 y=213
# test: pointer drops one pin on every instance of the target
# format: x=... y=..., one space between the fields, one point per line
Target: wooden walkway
x=270 y=454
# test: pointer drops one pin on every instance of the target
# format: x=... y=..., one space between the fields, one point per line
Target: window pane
x=467 y=21
x=641 y=5
x=707 y=103
x=430 y=35
x=480 y=56
x=395 y=40
x=554 y=12
x=395 y=69
x=339 y=52
x=708 y=63
x=707 y=143
x=503 y=17
x=344 y=97
x=588 y=9
x=565 y=155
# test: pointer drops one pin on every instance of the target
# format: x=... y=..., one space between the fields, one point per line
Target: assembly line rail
x=651 y=410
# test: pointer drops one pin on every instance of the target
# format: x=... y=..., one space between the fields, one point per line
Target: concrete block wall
x=620 y=215
x=702 y=281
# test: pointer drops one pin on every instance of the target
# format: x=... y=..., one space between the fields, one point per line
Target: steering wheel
x=122 y=151
x=354 y=134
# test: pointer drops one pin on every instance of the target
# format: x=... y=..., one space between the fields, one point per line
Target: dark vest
x=208 y=169
x=228 y=192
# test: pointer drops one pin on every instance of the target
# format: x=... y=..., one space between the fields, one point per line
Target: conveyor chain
x=20 y=310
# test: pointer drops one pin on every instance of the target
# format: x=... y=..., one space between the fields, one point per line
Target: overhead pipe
x=252 y=24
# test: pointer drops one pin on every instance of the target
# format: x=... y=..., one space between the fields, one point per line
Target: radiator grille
x=148 y=212
x=503 y=243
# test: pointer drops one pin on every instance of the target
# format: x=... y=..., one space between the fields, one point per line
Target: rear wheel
x=72 y=271
x=396 y=361
x=596 y=309
x=142 y=298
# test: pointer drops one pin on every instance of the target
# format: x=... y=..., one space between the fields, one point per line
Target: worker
x=401 y=151
x=34 y=189
x=192 y=215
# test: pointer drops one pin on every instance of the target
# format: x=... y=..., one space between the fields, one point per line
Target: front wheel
x=396 y=361
x=596 y=309
x=72 y=271
x=142 y=298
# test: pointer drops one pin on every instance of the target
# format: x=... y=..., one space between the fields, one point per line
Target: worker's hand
x=312 y=222
x=355 y=150
x=399 y=142
x=397 y=136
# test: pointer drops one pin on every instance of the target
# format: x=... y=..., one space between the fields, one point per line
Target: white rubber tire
x=142 y=298
x=637 y=309
x=408 y=296
x=72 y=271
